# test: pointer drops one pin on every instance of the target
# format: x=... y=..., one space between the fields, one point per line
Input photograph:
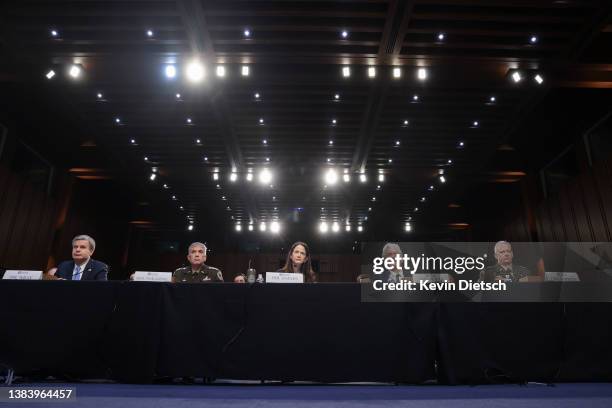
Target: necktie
x=77 y=273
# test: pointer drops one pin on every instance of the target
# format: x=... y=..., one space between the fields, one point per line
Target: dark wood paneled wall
x=582 y=210
x=36 y=229
x=27 y=218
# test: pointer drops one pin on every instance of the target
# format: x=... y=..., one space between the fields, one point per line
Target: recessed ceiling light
x=397 y=72
x=346 y=72
x=233 y=177
x=170 y=71
x=346 y=178
x=371 y=72
x=245 y=70
x=216 y=176
x=238 y=227
x=344 y=34
x=75 y=71
x=220 y=71
x=422 y=74
x=195 y=71
x=363 y=178
x=359 y=228
x=331 y=177
x=381 y=178
x=265 y=176
x=539 y=79
x=442 y=179
x=50 y=74
x=516 y=76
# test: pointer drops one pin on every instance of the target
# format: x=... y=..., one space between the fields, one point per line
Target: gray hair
x=391 y=247
x=194 y=244
x=499 y=243
x=92 y=242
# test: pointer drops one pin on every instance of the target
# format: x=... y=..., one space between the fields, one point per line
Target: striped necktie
x=77 y=273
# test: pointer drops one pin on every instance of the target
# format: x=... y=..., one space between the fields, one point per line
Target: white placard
x=146 y=276
x=284 y=277
x=561 y=277
x=22 y=275
x=432 y=277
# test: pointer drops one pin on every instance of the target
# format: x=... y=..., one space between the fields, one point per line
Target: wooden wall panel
x=567 y=215
x=602 y=174
x=593 y=206
x=581 y=219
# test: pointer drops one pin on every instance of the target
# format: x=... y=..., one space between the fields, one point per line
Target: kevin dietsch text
x=426 y=285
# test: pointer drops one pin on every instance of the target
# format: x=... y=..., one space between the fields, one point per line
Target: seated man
x=504 y=269
x=82 y=266
x=197 y=271
x=391 y=250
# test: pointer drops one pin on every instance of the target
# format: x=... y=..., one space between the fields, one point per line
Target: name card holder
x=146 y=276
x=22 y=275
x=561 y=277
x=284 y=277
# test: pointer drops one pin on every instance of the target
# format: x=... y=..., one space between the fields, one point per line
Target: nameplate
x=283 y=277
x=144 y=276
x=561 y=277
x=22 y=275
x=432 y=277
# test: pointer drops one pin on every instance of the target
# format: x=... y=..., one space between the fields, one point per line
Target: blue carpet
x=307 y=395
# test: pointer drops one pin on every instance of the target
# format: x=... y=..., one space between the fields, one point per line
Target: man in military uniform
x=504 y=270
x=197 y=271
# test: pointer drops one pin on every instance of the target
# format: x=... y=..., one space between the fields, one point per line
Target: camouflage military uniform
x=205 y=274
x=517 y=272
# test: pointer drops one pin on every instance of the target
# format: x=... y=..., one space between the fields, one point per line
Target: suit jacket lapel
x=86 y=270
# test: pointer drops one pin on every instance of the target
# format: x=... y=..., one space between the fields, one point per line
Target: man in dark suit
x=82 y=266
